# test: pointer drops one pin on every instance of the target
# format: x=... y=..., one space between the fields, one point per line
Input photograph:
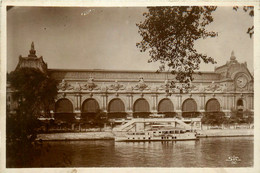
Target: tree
x=34 y=92
x=250 y=10
x=213 y=118
x=169 y=34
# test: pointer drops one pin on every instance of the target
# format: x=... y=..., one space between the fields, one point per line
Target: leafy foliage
x=34 y=91
x=250 y=11
x=169 y=34
x=213 y=118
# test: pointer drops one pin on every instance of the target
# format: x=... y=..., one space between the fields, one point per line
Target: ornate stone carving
x=116 y=86
x=251 y=86
x=77 y=87
x=141 y=85
x=231 y=87
x=213 y=87
x=194 y=87
x=90 y=85
x=64 y=86
x=165 y=86
x=154 y=88
x=103 y=87
x=129 y=88
x=201 y=88
x=224 y=87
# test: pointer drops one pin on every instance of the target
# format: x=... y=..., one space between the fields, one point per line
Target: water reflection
x=208 y=152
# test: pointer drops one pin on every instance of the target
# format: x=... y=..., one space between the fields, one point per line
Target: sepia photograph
x=167 y=86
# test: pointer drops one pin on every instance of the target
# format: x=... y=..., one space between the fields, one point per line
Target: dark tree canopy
x=33 y=89
x=169 y=34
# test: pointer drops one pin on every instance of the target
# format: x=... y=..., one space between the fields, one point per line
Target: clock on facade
x=241 y=81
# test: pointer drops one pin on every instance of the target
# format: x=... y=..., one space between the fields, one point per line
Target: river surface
x=206 y=152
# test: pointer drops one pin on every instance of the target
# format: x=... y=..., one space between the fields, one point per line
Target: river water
x=206 y=152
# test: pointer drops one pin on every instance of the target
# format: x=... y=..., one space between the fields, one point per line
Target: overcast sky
x=105 y=38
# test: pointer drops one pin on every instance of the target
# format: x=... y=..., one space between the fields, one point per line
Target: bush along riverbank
x=109 y=135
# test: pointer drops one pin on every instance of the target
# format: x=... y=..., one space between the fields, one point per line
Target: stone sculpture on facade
x=141 y=85
x=64 y=86
x=129 y=88
x=77 y=87
x=213 y=87
x=90 y=85
x=116 y=86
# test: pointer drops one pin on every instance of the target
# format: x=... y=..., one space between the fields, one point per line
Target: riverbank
x=225 y=132
x=109 y=135
x=75 y=136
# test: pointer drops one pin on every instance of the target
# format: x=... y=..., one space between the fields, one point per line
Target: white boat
x=157 y=135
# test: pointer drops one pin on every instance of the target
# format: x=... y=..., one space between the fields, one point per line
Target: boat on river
x=157 y=135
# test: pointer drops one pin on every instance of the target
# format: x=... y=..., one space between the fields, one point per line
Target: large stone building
x=124 y=94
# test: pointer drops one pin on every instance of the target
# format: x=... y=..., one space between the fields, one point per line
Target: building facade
x=123 y=94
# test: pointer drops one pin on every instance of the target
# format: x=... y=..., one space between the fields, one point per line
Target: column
x=179 y=98
x=130 y=105
x=230 y=102
x=234 y=101
x=154 y=104
x=77 y=110
x=104 y=102
x=179 y=101
x=225 y=99
x=202 y=102
x=250 y=102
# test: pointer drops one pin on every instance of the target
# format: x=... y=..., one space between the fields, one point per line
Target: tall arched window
x=116 y=109
x=189 y=108
x=141 y=108
x=90 y=106
x=64 y=110
x=165 y=107
x=63 y=106
x=212 y=105
x=189 y=105
x=116 y=105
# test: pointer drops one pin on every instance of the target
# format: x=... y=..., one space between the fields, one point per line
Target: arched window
x=240 y=102
x=63 y=106
x=189 y=109
x=212 y=106
x=240 y=105
x=165 y=105
x=141 y=105
x=116 y=109
x=189 y=105
x=116 y=105
x=141 y=108
x=90 y=106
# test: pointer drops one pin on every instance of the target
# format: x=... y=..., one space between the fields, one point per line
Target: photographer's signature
x=233 y=159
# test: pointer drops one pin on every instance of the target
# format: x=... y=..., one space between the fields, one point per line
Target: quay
x=109 y=135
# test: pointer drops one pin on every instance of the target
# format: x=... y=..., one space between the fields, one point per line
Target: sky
x=106 y=37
